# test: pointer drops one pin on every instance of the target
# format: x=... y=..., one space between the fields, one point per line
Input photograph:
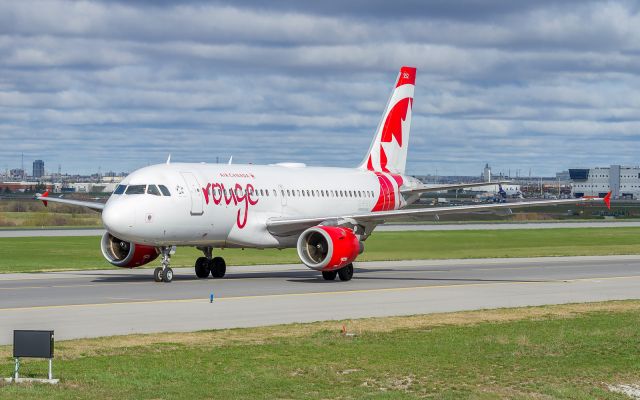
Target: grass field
x=63 y=253
x=554 y=352
x=32 y=214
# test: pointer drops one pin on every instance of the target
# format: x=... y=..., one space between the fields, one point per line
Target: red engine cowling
x=328 y=248
x=126 y=254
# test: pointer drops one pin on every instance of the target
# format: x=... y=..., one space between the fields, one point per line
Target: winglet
x=45 y=194
x=607 y=200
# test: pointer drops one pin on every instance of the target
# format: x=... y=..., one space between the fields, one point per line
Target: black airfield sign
x=34 y=344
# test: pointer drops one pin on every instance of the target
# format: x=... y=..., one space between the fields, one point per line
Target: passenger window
x=136 y=189
x=288 y=193
x=164 y=190
x=153 y=189
x=120 y=189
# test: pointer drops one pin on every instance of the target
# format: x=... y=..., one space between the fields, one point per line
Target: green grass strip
x=550 y=352
x=64 y=253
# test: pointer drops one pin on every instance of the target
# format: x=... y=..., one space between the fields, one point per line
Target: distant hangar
x=623 y=182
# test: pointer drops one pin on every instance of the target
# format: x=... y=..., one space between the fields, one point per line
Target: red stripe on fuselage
x=387 y=196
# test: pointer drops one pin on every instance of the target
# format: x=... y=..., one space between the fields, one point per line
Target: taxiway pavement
x=115 y=302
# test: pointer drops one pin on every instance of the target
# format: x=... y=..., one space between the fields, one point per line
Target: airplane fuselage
x=222 y=205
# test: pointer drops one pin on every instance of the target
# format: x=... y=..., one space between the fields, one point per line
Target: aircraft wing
x=89 y=204
x=437 y=188
x=285 y=226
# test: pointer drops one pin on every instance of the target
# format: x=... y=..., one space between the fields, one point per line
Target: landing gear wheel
x=202 y=267
x=157 y=274
x=346 y=273
x=329 y=275
x=218 y=267
x=167 y=275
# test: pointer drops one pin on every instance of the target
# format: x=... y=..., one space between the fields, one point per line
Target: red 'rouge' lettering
x=236 y=195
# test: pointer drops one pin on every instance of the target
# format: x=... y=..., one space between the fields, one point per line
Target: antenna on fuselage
x=230 y=160
x=169 y=159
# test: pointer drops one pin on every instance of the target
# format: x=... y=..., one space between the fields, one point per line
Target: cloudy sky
x=543 y=85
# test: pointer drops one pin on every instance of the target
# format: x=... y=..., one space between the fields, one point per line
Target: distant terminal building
x=622 y=182
x=38 y=169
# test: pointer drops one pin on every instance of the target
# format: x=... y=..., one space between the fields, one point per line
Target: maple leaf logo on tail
x=388 y=151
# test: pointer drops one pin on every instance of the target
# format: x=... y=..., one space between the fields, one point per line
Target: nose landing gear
x=164 y=273
x=216 y=266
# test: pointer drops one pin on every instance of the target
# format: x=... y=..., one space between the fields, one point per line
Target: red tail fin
x=607 y=200
x=45 y=194
x=388 y=151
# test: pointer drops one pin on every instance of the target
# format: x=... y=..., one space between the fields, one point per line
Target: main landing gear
x=345 y=273
x=216 y=266
x=164 y=273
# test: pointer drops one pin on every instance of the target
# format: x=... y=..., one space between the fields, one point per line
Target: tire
x=157 y=274
x=329 y=275
x=167 y=276
x=202 y=267
x=218 y=267
x=346 y=273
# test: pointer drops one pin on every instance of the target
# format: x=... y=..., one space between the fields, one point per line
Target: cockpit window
x=153 y=189
x=136 y=189
x=164 y=190
x=120 y=189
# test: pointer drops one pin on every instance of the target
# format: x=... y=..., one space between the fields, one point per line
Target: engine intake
x=328 y=248
x=126 y=254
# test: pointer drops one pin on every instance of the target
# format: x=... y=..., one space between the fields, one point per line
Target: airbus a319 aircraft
x=326 y=213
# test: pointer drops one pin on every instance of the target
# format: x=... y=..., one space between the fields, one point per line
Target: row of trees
x=37 y=188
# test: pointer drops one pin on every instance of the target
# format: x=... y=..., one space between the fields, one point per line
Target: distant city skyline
x=545 y=85
x=515 y=172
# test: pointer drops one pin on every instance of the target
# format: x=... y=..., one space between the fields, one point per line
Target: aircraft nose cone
x=117 y=218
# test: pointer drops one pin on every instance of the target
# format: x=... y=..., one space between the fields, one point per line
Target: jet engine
x=126 y=254
x=328 y=248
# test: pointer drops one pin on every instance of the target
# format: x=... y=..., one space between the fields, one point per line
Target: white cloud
x=541 y=85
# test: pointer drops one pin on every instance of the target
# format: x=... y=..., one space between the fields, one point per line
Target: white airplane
x=326 y=213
